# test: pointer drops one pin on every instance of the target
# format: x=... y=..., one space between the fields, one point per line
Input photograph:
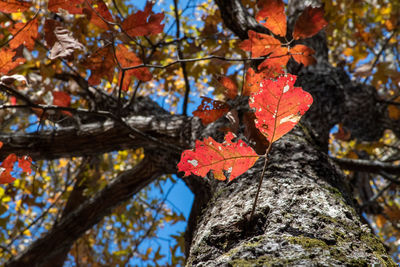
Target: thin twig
x=375 y=197
x=116 y=8
x=373 y=166
x=177 y=61
x=183 y=63
x=121 y=83
x=260 y=181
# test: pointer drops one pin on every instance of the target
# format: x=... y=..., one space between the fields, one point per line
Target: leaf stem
x=260 y=181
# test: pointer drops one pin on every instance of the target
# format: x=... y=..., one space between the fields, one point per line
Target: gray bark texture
x=305 y=215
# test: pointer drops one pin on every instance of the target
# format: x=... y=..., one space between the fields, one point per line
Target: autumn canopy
x=106 y=106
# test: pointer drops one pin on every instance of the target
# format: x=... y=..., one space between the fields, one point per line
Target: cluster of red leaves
x=278 y=107
x=272 y=16
x=7 y=166
x=277 y=103
x=102 y=62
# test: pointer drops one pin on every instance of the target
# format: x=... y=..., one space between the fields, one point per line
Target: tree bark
x=305 y=216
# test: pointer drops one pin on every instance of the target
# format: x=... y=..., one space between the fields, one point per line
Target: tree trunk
x=305 y=215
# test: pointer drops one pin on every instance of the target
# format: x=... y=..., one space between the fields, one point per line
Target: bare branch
x=367 y=165
x=180 y=56
x=96 y=138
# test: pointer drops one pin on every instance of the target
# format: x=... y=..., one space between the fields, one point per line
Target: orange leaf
x=101 y=10
x=380 y=220
x=231 y=89
x=253 y=81
x=101 y=63
x=8 y=61
x=259 y=44
x=72 y=6
x=14 y=6
x=210 y=110
x=233 y=158
x=274 y=13
x=303 y=54
x=279 y=106
x=310 y=22
x=275 y=63
x=26 y=36
x=129 y=59
x=143 y=23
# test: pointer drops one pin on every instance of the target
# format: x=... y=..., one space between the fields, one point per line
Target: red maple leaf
x=7 y=166
x=25 y=164
x=259 y=44
x=273 y=11
x=5 y=169
x=210 y=110
x=14 y=6
x=61 y=99
x=144 y=23
x=98 y=13
x=310 y=22
x=72 y=6
x=24 y=34
x=101 y=63
x=279 y=106
x=233 y=158
x=127 y=59
x=303 y=54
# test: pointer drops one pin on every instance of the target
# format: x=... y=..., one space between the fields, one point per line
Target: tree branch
x=363 y=165
x=101 y=137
